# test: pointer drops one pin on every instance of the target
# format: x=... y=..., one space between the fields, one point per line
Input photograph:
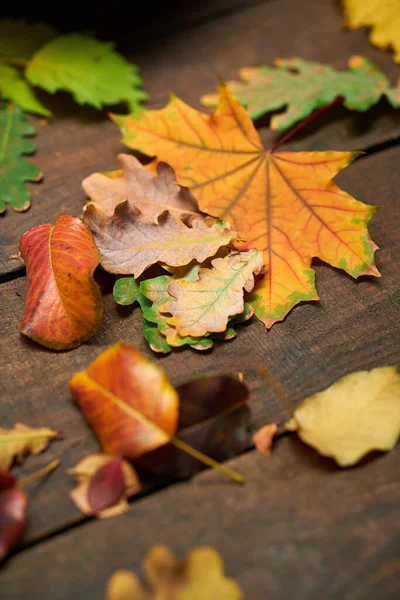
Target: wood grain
x=355 y=325
x=78 y=141
x=299 y=528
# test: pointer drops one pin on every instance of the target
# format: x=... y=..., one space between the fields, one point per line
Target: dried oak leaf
x=63 y=305
x=283 y=203
x=13 y=505
x=199 y=576
x=127 y=400
x=359 y=413
x=105 y=482
x=205 y=305
x=129 y=243
x=383 y=16
x=152 y=195
x=21 y=440
x=15 y=170
x=302 y=86
x=213 y=418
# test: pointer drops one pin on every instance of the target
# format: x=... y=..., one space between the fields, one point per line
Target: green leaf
x=156 y=291
x=14 y=169
x=127 y=291
x=302 y=86
x=19 y=40
x=91 y=70
x=16 y=89
x=150 y=294
x=155 y=338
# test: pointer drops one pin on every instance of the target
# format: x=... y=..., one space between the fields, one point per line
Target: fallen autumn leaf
x=63 y=305
x=152 y=195
x=21 y=440
x=359 y=413
x=199 y=577
x=283 y=203
x=104 y=484
x=129 y=243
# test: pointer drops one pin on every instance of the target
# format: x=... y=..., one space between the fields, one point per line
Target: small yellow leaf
x=359 y=413
x=15 y=443
x=384 y=18
x=124 y=585
x=199 y=577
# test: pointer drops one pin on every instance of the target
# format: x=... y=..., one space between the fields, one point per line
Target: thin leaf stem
x=277 y=388
x=138 y=416
x=207 y=460
x=314 y=115
x=37 y=474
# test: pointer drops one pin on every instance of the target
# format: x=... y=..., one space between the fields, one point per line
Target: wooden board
x=299 y=528
x=355 y=325
x=79 y=141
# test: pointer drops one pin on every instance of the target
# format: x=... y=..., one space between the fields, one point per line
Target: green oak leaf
x=16 y=89
x=14 y=169
x=19 y=40
x=302 y=86
x=150 y=294
x=91 y=70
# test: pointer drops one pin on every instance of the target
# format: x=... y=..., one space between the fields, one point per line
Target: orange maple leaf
x=283 y=203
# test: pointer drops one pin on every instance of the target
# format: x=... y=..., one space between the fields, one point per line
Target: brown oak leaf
x=150 y=194
x=129 y=243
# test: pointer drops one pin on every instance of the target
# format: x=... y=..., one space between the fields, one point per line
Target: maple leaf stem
x=304 y=122
x=277 y=388
x=37 y=474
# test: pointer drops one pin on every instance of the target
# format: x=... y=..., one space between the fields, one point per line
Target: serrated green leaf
x=127 y=291
x=14 y=169
x=91 y=70
x=155 y=338
x=161 y=336
x=156 y=291
x=16 y=89
x=302 y=86
x=19 y=40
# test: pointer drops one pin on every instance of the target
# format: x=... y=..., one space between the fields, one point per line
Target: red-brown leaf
x=63 y=302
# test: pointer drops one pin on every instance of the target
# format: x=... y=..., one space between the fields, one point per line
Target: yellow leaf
x=124 y=585
x=384 y=18
x=205 y=305
x=199 y=577
x=129 y=243
x=283 y=203
x=359 y=413
x=15 y=443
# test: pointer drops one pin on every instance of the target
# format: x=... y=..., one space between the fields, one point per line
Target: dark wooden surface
x=300 y=527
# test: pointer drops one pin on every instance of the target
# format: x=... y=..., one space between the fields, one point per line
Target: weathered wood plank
x=299 y=528
x=79 y=141
x=355 y=325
